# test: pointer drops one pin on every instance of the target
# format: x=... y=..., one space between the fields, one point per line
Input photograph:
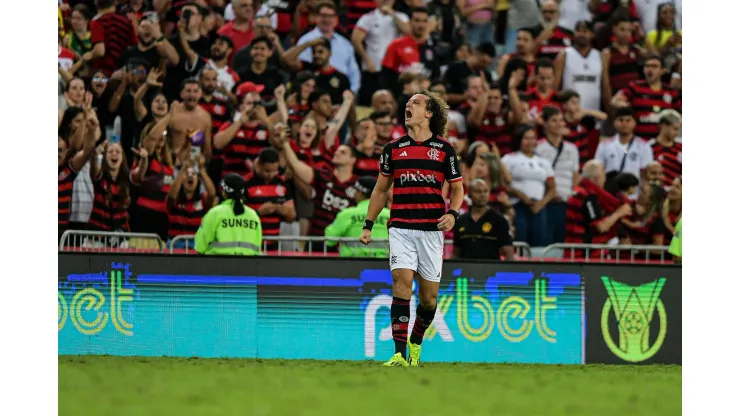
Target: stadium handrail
x=104 y=241
x=140 y=243
x=607 y=252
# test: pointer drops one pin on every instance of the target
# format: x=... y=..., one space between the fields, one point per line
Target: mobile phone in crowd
x=153 y=17
x=195 y=157
x=186 y=15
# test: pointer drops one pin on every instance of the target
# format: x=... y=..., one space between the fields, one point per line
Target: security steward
x=482 y=232
x=675 y=247
x=349 y=223
x=230 y=228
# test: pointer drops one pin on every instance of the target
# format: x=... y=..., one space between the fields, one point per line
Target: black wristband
x=368 y=225
x=453 y=213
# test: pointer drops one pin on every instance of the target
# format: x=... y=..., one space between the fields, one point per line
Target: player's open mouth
x=408 y=114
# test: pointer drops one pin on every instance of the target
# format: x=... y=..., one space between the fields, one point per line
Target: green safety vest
x=675 y=247
x=349 y=222
x=222 y=232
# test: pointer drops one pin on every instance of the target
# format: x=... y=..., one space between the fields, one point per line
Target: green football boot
x=396 y=361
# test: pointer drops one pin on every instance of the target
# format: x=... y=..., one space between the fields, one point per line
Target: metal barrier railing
x=111 y=242
x=121 y=242
x=307 y=243
x=607 y=253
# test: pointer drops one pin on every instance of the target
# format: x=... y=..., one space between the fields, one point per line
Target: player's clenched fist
x=365 y=237
x=446 y=222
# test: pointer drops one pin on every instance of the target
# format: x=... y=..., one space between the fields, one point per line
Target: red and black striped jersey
x=110 y=205
x=323 y=160
x=495 y=129
x=305 y=154
x=221 y=112
x=530 y=64
x=259 y=191
x=244 y=148
x=380 y=142
x=119 y=35
x=537 y=101
x=605 y=8
x=367 y=165
x=184 y=217
x=669 y=158
x=419 y=169
x=646 y=233
x=284 y=9
x=550 y=48
x=582 y=213
x=647 y=103
x=623 y=67
x=355 y=10
x=66 y=179
x=173 y=12
x=297 y=112
x=153 y=190
x=585 y=135
x=332 y=196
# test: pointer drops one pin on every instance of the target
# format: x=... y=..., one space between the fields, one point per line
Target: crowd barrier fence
x=301 y=246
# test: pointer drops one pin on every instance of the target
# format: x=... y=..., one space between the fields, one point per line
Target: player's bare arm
x=301 y=170
x=377 y=202
x=457 y=193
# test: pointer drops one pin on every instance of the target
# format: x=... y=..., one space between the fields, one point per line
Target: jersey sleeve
x=206 y=233
x=363 y=23
x=386 y=160
x=390 y=58
x=316 y=176
x=452 y=165
x=629 y=91
x=288 y=198
x=97 y=34
x=591 y=210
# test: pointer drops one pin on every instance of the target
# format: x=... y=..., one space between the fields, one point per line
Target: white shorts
x=421 y=251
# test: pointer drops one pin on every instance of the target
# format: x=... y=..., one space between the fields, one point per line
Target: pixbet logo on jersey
x=417 y=177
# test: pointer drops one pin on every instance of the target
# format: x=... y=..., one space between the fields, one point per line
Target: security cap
x=232 y=183
x=365 y=184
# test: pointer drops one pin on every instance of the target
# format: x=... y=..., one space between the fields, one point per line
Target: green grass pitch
x=111 y=386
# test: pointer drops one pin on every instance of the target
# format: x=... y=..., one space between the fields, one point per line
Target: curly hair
x=437 y=105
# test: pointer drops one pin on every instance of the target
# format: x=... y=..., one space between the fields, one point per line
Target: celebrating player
x=416 y=165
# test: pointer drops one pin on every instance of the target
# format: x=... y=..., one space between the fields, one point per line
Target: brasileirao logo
x=634 y=308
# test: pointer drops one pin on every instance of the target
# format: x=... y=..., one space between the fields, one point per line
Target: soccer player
x=416 y=165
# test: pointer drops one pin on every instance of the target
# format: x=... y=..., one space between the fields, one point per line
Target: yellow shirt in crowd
x=652 y=37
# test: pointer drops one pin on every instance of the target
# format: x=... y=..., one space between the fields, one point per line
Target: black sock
x=400 y=311
x=424 y=318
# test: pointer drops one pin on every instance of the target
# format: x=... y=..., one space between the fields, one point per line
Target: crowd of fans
x=567 y=111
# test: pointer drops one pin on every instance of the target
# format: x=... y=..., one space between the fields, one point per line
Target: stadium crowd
x=567 y=111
